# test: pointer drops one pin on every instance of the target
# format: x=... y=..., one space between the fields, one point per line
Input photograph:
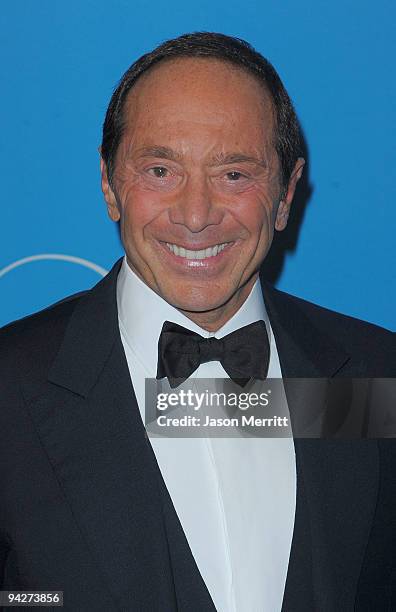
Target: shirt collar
x=142 y=313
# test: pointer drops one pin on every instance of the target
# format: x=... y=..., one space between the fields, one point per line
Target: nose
x=195 y=207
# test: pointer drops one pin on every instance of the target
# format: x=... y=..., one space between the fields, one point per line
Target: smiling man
x=197 y=184
x=200 y=160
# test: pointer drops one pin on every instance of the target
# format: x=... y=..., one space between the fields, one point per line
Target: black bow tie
x=244 y=354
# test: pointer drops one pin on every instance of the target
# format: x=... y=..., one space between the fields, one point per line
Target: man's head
x=200 y=149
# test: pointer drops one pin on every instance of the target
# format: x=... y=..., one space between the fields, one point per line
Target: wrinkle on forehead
x=202 y=108
x=216 y=80
x=218 y=158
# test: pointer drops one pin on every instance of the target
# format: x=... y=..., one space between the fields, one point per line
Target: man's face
x=197 y=184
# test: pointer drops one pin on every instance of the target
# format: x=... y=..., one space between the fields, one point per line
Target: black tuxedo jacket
x=84 y=509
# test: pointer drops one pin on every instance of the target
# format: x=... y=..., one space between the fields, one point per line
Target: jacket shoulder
x=372 y=347
x=35 y=339
x=330 y=319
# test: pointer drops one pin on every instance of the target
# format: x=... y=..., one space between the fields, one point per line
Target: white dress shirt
x=235 y=497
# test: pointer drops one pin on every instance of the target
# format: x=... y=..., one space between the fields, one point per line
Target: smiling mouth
x=212 y=251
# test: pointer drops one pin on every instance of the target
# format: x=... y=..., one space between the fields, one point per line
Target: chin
x=197 y=303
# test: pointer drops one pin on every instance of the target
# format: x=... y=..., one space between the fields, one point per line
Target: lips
x=205 y=253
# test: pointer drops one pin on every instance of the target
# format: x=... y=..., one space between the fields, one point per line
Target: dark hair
x=217 y=46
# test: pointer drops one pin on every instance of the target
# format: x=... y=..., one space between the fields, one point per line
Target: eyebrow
x=159 y=151
x=219 y=159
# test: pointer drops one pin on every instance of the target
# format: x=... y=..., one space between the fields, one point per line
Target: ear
x=283 y=211
x=112 y=207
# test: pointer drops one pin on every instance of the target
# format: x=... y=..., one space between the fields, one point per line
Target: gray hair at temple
x=287 y=141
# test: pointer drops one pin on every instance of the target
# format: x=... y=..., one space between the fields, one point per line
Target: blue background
x=60 y=62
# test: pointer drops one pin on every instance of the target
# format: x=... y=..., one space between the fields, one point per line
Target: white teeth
x=203 y=254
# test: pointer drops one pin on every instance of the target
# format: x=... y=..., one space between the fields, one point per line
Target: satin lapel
x=90 y=426
x=337 y=480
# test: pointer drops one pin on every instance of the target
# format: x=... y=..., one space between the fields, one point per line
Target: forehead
x=199 y=91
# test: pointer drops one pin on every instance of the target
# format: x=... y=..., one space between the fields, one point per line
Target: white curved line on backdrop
x=70 y=258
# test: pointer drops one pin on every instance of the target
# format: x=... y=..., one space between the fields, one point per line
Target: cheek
x=140 y=210
x=255 y=213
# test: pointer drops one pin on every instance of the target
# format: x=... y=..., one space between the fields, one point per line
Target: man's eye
x=234 y=176
x=159 y=171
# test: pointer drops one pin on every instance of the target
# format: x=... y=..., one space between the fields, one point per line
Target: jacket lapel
x=337 y=480
x=90 y=426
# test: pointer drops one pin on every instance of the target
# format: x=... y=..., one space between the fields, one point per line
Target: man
x=200 y=162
